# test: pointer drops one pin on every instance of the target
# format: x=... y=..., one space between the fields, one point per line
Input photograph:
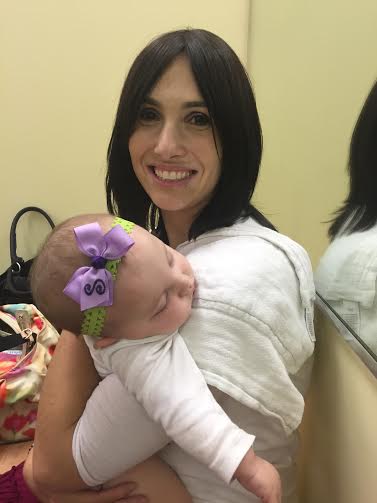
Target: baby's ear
x=103 y=342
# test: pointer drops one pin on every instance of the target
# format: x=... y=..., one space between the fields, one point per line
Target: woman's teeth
x=172 y=175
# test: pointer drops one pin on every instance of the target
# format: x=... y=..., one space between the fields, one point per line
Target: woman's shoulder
x=248 y=257
x=238 y=238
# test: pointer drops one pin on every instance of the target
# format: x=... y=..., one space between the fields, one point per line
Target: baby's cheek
x=185 y=310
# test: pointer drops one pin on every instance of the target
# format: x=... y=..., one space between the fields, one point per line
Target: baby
x=106 y=277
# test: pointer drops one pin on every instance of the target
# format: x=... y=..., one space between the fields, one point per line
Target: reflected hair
x=227 y=92
x=359 y=210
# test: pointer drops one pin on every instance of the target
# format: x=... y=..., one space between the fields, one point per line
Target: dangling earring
x=153 y=209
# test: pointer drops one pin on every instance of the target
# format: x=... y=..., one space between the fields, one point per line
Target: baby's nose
x=187 y=285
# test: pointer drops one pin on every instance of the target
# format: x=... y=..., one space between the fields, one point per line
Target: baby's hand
x=259 y=477
x=103 y=342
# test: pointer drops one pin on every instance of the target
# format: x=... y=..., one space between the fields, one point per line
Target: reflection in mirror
x=347 y=272
x=352 y=338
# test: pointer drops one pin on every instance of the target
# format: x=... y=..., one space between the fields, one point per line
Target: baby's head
x=152 y=290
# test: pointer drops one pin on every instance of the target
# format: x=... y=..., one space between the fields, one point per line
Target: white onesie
x=160 y=372
x=251 y=335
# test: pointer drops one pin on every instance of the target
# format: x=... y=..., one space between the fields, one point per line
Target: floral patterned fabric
x=21 y=377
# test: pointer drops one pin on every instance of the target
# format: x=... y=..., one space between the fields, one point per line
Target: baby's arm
x=113 y=434
x=162 y=375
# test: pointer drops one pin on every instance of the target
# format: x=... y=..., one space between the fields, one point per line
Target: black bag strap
x=16 y=261
x=9 y=338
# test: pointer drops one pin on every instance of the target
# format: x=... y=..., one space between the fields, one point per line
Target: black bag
x=14 y=282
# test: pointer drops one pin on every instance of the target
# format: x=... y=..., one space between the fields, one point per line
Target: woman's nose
x=169 y=142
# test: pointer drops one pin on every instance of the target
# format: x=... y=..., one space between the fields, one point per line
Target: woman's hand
x=119 y=492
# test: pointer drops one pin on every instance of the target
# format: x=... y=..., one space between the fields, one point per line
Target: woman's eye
x=199 y=119
x=147 y=115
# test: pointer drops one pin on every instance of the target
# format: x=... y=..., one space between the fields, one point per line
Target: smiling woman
x=186 y=110
x=187 y=140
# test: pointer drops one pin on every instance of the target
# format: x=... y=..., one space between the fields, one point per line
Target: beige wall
x=339 y=457
x=63 y=64
x=312 y=64
x=62 y=67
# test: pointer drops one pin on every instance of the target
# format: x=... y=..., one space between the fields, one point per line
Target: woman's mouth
x=171 y=176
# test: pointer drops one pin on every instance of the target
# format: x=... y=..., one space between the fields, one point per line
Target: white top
x=346 y=278
x=251 y=335
x=251 y=327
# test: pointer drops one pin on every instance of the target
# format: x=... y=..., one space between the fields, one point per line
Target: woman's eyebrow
x=194 y=104
x=151 y=101
x=187 y=104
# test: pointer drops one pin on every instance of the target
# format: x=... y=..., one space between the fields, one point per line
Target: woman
x=184 y=159
x=346 y=275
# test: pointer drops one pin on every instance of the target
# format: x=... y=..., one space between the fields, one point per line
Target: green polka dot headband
x=92 y=286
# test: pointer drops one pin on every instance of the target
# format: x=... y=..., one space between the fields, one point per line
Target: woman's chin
x=171 y=206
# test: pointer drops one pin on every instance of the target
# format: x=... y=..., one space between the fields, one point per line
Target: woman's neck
x=177 y=226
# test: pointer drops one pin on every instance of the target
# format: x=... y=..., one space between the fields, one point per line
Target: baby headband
x=92 y=286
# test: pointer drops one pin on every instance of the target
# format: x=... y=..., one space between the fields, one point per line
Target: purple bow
x=93 y=286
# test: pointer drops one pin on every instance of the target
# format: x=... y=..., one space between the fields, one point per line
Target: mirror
x=312 y=66
x=347 y=272
x=351 y=337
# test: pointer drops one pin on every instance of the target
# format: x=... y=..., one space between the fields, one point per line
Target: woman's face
x=172 y=149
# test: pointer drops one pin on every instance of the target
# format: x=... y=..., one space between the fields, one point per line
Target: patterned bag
x=22 y=368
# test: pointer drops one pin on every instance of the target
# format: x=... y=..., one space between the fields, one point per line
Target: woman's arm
x=70 y=381
x=122 y=492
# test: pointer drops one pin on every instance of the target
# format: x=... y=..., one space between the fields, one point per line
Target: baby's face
x=153 y=291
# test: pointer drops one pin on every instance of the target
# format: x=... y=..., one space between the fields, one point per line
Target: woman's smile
x=173 y=176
